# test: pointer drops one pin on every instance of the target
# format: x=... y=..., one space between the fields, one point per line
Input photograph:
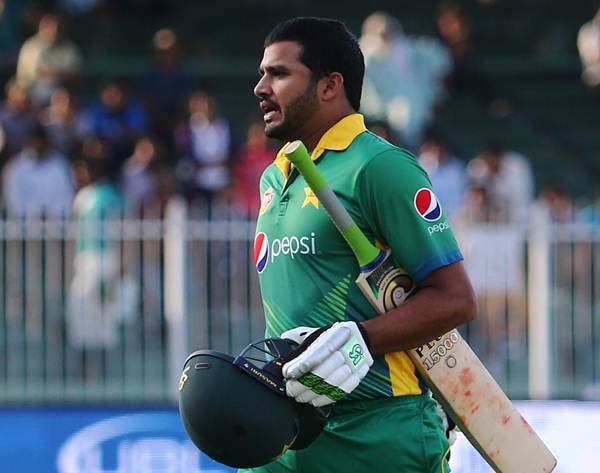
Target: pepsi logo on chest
x=261 y=251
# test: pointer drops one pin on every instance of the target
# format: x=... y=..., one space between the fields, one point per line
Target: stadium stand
x=527 y=51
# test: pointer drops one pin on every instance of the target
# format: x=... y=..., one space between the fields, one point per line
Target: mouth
x=269 y=110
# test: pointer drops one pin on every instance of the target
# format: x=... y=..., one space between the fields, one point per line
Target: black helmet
x=236 y=420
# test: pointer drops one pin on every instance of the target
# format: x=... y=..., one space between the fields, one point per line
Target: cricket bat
x=459 y=380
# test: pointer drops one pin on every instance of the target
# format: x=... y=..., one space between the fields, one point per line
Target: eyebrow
x=275 y=69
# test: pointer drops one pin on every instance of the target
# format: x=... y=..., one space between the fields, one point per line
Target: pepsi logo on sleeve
x=427 y=205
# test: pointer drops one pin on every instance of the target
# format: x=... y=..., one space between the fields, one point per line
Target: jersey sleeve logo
x=266 y=200
x=261 y=251
x=427 y=205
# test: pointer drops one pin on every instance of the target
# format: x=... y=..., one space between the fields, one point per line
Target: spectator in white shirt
x=403 y=77
x=204 y=144
x=48 y=60
x=38 y=180
x=508 y=179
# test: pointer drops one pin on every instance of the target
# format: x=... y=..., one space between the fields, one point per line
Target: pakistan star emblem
x=310 y=198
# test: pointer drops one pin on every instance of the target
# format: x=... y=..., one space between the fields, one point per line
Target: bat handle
x=362 y=248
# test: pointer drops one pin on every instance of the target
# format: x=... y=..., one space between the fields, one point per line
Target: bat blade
x=479 y=406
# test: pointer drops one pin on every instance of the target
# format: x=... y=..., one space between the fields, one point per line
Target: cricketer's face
x=287 y=93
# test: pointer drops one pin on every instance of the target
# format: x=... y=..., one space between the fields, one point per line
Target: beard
x=295 y=115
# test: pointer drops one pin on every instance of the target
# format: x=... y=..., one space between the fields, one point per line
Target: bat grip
x=362 y=248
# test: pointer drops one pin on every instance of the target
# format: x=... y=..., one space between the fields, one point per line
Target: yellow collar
x=337 y=138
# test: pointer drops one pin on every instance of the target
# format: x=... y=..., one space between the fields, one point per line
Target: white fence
x=114 y=324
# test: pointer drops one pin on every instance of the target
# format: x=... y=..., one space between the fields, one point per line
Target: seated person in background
x=38 y=180
x=204 y=146
x=256 y=154
x=143 y=177
x=62 y=120
x=403 y=77
x=588 y=44
x=166 y=86
x=48 y=60
x=446 y=172
x=116 y=118
x=16 y=119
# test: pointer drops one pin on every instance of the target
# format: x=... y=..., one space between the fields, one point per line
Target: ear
x=331 y=87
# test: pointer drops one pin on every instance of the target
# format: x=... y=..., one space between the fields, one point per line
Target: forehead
x=285 y=53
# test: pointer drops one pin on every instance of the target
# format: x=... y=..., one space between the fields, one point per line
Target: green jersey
x=307 y=270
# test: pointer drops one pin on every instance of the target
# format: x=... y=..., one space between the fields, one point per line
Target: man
x=38 y=181
x=310 y=87
x=48 y=60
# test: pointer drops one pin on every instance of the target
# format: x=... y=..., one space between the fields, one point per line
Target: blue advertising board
x=111 y=440
x=72 y=440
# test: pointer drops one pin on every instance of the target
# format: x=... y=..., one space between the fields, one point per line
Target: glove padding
x=331 y=366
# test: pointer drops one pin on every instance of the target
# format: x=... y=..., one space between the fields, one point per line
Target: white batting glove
x=331 y=367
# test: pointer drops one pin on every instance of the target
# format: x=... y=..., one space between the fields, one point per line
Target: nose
x=261 y=88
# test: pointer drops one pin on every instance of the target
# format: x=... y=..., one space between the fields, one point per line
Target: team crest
x=266 y=200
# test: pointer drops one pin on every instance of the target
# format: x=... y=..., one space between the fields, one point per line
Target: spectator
x=403 y=77
x=508 y=180
x=557 y=201
x=38 y=180
x=465 y=76
x=62 y=121
x=116 y=118
x=256 y=154
x=16 y=119
x=48 y=60
x=100 y=295
x=166 y=86
x=446 y=172
x=137 y=179
x=204 y=144
x=588 y=44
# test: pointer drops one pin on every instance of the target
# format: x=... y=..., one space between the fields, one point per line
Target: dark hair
x=327 y=46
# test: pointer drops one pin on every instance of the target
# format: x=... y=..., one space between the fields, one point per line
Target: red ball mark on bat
x=475 y=408
x=466 y=377
x=463 y=419
x=494 y=454
x=527 y=426
x=506 y=420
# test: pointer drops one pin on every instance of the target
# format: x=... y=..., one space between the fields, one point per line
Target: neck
x=312 y=137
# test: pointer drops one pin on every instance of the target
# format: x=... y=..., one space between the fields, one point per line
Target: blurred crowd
x=61 y=150
x=137 y=144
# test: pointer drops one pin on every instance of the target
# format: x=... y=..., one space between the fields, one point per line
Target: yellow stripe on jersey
x=402 y=374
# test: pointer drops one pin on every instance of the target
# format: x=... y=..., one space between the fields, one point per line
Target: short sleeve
x=399 y=206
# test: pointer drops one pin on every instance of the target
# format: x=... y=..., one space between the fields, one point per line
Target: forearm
x=432 y=311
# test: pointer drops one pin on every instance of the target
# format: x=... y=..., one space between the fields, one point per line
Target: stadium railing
x=112 y=321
